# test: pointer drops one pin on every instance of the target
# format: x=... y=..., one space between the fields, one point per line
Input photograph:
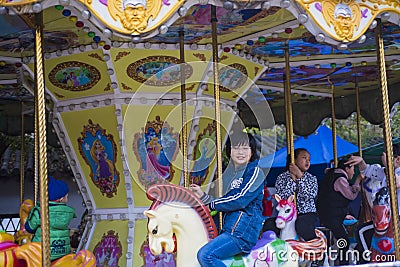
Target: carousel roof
x=321 y=56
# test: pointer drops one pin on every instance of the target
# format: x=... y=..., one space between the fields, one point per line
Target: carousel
x=141 y=97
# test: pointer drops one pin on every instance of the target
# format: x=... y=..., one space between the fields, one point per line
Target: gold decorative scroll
x=16 y=2
x=133 y=16
x=347 y=20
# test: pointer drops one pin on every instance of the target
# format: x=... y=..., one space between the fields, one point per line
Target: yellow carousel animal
x=18 y=251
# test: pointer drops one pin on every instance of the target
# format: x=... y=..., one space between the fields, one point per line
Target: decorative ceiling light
x=163 y=29
x=47 y=55
x=248 y=56
x=182 y=11
x=285 y=3
x=275 y=35
x=385 y=16
x=71 y=50
x=110 y=71
x=342 y=46
x=106 y=57
x=131 y=45
x=95 y=45
x=373 y=24
x=163 y=45
x=203 y=2
x=288 y=30
x=64 y=2
x=136 y=39
x=128 y=186
x=107 y=33
x=362 y=39
x=261 y=61
x=86 y=14
x=82 y=48
x=58 y=53
x=241 y=53
x=114 y=85
x=303 y=18
x=228 y=5
x=194 y=46
x=147 y=45
x=320 y=37
x=86 y=29
x=255 y=58
x=143 y=100
x=209 y=46
x=235 y=52
x=37 y=7
x=266 y=5
x=116 y=44
x=3 y=10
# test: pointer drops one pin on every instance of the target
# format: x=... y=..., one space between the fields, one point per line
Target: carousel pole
x=21 y=175
x=387 y=134
x=217 y=104
x=358 y=112
x=186 y=181
x=41 y=132
x=335 y=158
x=289 y=114
x=288 y=106
x=365 y=211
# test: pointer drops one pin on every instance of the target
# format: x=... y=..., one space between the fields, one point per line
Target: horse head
x=286 y=211
x=381 y=213
x=160 y=233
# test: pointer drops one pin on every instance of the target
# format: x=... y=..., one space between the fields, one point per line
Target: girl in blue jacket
x=243 y=183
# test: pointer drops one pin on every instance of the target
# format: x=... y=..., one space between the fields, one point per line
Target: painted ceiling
x=258 y=35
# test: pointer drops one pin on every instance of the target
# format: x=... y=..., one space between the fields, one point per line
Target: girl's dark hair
x=242 y=138
x=296 y=154
x=342 y=163
x=396 y=150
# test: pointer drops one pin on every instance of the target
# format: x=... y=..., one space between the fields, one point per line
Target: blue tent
x=320 y=147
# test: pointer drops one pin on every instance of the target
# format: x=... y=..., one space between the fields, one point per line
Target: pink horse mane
x=163 y=193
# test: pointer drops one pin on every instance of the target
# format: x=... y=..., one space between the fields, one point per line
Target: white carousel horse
x=287 y=214
x=176 y=211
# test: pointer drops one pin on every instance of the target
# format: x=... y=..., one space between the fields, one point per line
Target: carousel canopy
x=323 y=54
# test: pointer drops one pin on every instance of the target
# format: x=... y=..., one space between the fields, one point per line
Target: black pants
x=335 y=224
x=305 y=225
x=364 y=237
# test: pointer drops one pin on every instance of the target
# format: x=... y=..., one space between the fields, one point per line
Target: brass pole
x=288 y=106
x=183 y=108
x=358 y=117
x=387 y=134
x=217 y=104
x=41 y=130
x=22 y=158
x=335 y=158
x=36 y=150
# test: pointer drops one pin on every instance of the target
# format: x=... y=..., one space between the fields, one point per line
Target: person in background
x=334 y=196
x=375 y=173
x=243 y=184
x=296 y=180
x=60 y=215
